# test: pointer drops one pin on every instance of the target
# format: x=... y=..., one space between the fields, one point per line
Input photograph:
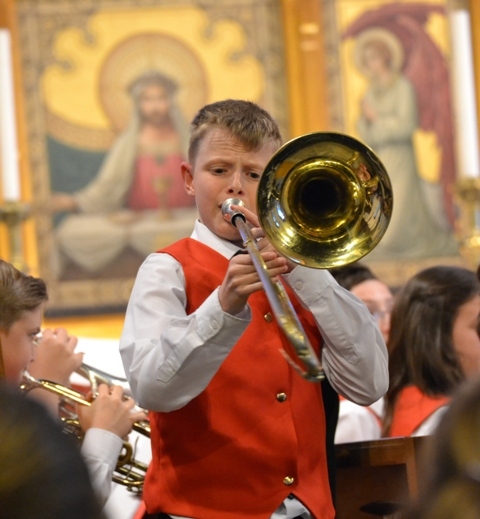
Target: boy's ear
x=187 y=174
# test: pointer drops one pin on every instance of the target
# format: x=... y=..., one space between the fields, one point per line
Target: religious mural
x=394 y=77
x=110 y=89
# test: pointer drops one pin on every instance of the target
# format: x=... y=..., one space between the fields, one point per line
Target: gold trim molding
x=457 y=5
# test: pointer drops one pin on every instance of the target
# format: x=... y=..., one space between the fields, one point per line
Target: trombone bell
x=324 y=200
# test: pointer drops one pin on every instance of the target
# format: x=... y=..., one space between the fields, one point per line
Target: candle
x=463 y=83
x=8 y=129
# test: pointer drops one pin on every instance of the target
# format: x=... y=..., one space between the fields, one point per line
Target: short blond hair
x=246 y=121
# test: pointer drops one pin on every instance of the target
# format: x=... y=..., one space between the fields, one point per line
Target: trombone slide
x=279 y=301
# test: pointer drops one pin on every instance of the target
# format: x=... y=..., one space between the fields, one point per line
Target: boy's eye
x=254 y=175
x=36 y=337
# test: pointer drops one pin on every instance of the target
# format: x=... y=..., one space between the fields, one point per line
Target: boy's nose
x=236 y=186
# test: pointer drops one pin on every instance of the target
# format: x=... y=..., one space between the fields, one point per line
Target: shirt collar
x=204 y=235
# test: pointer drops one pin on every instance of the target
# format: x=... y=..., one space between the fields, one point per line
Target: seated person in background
x=434 y=346
x=236 y=431
x=355 y=422
x=450 y=486
x=42 y=473
x=107 y=420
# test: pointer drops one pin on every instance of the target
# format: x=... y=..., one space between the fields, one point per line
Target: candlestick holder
x=467 y=191
x=13 y=213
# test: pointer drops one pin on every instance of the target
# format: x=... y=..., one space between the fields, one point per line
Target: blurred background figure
x=433 y=346
x=355 y=422
x=42 y=474
x=451 y=488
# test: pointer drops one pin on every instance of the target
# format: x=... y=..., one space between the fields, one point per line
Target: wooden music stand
x=378 y=476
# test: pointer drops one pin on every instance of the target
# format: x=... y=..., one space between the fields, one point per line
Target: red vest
x=412 y=408
x=229 y=453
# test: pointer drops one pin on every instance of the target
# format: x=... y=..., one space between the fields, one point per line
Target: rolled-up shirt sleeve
x=354 y=356
x=170 y=357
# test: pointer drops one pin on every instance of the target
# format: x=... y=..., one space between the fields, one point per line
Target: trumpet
x=324 y=200
x=129 y=472
x=96 y=377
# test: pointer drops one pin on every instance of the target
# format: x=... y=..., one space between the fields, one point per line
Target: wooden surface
x=377 y=471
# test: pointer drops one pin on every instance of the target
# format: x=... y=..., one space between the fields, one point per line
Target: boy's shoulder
x=190 y=249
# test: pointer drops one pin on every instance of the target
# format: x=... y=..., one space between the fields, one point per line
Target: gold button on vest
x=268 y=317
x=288 y=480
x=281 y=397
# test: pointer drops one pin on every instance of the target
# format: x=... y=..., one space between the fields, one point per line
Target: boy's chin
x=232 y=237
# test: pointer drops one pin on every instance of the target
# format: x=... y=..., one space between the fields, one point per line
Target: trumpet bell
x=324 y=200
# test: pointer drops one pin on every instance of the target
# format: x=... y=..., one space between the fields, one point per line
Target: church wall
x=307 y=58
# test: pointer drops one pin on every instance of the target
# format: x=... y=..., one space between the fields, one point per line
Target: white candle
x=8 y=128
x=463 y=83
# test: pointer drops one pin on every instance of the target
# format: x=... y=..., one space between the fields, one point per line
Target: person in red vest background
x=433 y=345
x=450 y=469
x=236 y=431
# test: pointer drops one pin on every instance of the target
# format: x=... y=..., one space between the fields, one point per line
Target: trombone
x=324 y=200
x=129 y=472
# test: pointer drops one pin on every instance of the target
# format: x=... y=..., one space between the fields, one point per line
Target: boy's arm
x=170 y=357
x=354 y=355
x=100 y=450
x=106 y=421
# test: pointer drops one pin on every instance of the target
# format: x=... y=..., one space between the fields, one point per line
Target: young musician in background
x=51 y=356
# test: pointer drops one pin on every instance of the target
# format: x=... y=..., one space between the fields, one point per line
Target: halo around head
x=150 y=54
x=152 y=76
x=385 y=36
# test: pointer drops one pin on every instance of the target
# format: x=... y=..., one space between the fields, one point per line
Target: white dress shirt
x=100 y=450
x=429 y=426
x=170 y=357
x=359 y=423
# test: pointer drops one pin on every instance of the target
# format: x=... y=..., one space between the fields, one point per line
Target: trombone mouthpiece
x=228 y=213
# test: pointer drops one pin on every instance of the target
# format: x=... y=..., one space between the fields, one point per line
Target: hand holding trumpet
x=55 y=357
x=110 y=410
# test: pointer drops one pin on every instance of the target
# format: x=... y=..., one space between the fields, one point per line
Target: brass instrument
x=324 y=200
x=128 y=471
x=96 y=377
